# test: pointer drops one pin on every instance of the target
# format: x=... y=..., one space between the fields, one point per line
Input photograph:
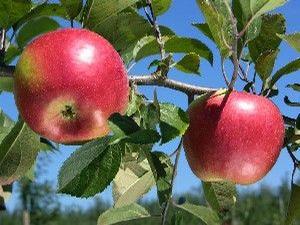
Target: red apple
x=68 y=82
x=234 y=137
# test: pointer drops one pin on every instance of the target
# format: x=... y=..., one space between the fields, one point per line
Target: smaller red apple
x=235 y=137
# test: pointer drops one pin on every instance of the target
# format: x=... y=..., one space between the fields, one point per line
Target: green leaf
x=177 y=218
x=126 y=213
x=243 y=14
x=206 y=215
x=295 y=87
x=150 y=115
x=267 y=39
x=204 y=28
x=259 y=7
x=265 y=63
x=125 y=128
x=190 y=63
x=102 y=11
x=124 y=30
x=44 y=9
x=6 y=84
x=133 y=180
x=292 y=39
x=294 y=206
x=90 y=169
x=12 y=52
x=143 y=137
x=175 y=44
x=18 y=152
x=122 y=126
x=220 y=195
x=73 y=7
x=248 y=12
x=287 y=69
x=162 y=170
x=135 y=101
x=5 y=121
x=6 y=124
x=290 y=103
x=217 y=16
x=34 y=28
x=173 y=122
x=161 y=6
x=12 y=11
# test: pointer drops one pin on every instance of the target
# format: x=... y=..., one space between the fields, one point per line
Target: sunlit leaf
x=206 y=215
x=292 y=39
x=173 y=122
x=220 y=195
x=126 y=213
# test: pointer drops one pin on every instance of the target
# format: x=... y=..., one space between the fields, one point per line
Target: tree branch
x=172 y=84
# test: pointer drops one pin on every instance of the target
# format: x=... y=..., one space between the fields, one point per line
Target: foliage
x=246 y=33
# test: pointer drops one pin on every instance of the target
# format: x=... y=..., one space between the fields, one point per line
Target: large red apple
x=68 y=82
x=235 y=137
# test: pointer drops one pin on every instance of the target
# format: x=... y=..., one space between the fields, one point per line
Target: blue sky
x=179 y=18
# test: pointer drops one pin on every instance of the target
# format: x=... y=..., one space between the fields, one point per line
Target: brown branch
x=172 y=84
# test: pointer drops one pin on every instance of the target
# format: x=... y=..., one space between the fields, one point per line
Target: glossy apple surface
x=235 y=137
x=68 y=82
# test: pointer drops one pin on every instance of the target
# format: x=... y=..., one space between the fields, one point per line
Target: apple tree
x=230 y=135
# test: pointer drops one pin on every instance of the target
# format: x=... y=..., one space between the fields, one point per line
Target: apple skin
x=235 y=137
x=67 y=84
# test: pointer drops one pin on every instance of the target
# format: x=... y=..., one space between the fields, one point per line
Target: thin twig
x=234 y=47
x=241 y=34
x=244 y=77
x=295 y=161
x=224 y=72
x=234 y=51
x=166 y=208
x=2 y=40
x=2 y=46
x=158 y=35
